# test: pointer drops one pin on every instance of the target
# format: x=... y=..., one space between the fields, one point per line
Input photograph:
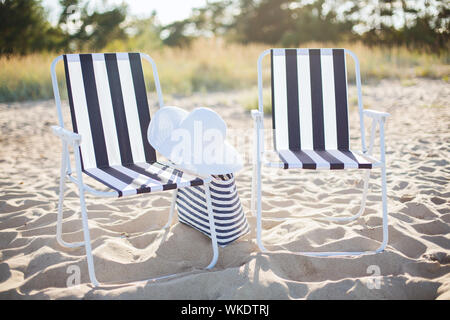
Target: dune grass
x=26 y=78
x=213 y=65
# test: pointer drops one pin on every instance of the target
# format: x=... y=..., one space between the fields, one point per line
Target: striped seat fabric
x=229 y=217
x=142 y=177
x=109 y=108
x=310 y=111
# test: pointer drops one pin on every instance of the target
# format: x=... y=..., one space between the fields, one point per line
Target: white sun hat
x=195 y=141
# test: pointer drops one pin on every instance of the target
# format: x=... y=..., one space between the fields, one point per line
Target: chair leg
x=212 y=228
x=87 y=239
x=383 y=189
x=259 y=208
x=62 y=188
x=253 y=199
x=84 y=218
x=172 y=209
x=385 y=210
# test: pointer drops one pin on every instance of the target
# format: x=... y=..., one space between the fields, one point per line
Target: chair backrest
x=109 y=108
x=309 y=99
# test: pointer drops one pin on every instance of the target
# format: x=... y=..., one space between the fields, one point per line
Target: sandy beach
x=129 y=245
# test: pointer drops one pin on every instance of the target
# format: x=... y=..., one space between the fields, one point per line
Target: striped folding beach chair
x=310 y=125
x=110 y=116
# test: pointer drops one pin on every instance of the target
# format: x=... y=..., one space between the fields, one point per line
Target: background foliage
x=217 y=46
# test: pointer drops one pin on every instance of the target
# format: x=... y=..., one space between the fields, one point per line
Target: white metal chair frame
x=378 y=119
x=73 y=140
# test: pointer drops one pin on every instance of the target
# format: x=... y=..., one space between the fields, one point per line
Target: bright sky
x=167 y=10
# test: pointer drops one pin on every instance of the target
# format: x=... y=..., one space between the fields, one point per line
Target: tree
x=420 y=24
x=177 y=33
x=94 y=29
x=288 y=22
x=142 y=35
x=313 y=23
x=24 y=28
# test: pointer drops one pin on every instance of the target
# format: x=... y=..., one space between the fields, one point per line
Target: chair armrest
x=377 y=115
x=257 y=115
x=380 y=118
x=66 y=135
x=258 y=134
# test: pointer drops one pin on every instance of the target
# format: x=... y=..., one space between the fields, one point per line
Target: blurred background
x=202 y=45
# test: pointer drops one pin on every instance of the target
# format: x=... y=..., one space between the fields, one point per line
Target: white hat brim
x=159 y=135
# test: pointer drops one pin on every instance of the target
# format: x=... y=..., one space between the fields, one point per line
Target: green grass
x=214 y=65
x=27 y=78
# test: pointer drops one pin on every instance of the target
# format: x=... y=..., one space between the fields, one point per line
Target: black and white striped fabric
x=109 y=108
x=309 y=110
x=229 y=217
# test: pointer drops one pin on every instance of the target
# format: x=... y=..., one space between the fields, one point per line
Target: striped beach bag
x=230 y=220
